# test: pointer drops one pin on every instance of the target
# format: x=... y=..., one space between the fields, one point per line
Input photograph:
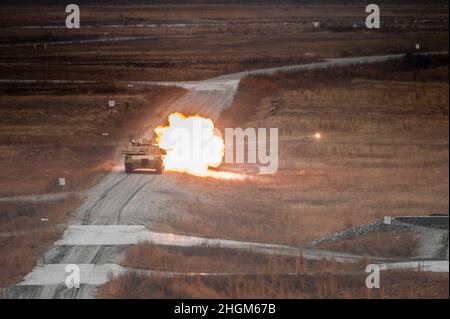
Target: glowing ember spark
x=193 y=146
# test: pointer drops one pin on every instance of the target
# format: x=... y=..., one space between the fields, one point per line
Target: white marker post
x=62 y=182
x=111 y=103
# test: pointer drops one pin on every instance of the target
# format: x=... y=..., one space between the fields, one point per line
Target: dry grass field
x=26 y=230
x=268 y=279
x=146 y=255
x=45 y=136
x=383 y=152
x=20 y=254
x=386 y=244
x=198 y=42
x=327 y=285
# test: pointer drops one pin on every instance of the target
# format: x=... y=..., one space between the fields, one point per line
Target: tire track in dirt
x=89 y=211
x=119 y=215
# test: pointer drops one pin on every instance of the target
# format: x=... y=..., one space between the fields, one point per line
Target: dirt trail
x=124 y=206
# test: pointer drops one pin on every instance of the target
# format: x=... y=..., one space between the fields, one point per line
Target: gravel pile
x=362 y=230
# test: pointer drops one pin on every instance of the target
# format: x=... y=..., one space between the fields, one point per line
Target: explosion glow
x=193 y=146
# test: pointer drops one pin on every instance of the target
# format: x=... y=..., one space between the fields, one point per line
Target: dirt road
x=121 y=209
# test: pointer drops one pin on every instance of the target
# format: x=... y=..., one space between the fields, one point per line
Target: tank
x=143 y=155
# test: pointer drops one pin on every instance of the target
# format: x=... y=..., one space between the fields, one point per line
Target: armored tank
x=143 y=155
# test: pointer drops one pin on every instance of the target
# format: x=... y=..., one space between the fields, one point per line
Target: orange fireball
x=193 y=145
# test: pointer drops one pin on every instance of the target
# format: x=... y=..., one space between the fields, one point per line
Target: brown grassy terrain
x=48 y=132
x=384 y=151
x=393 y=285
x=45 y=135
x=397 y=284
x=327 y=285
x=203 y=41
x=24 y=236
x=19 y=254
x=216 y=260
x=402 y=244
x=267 y=277
x=19 y=216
